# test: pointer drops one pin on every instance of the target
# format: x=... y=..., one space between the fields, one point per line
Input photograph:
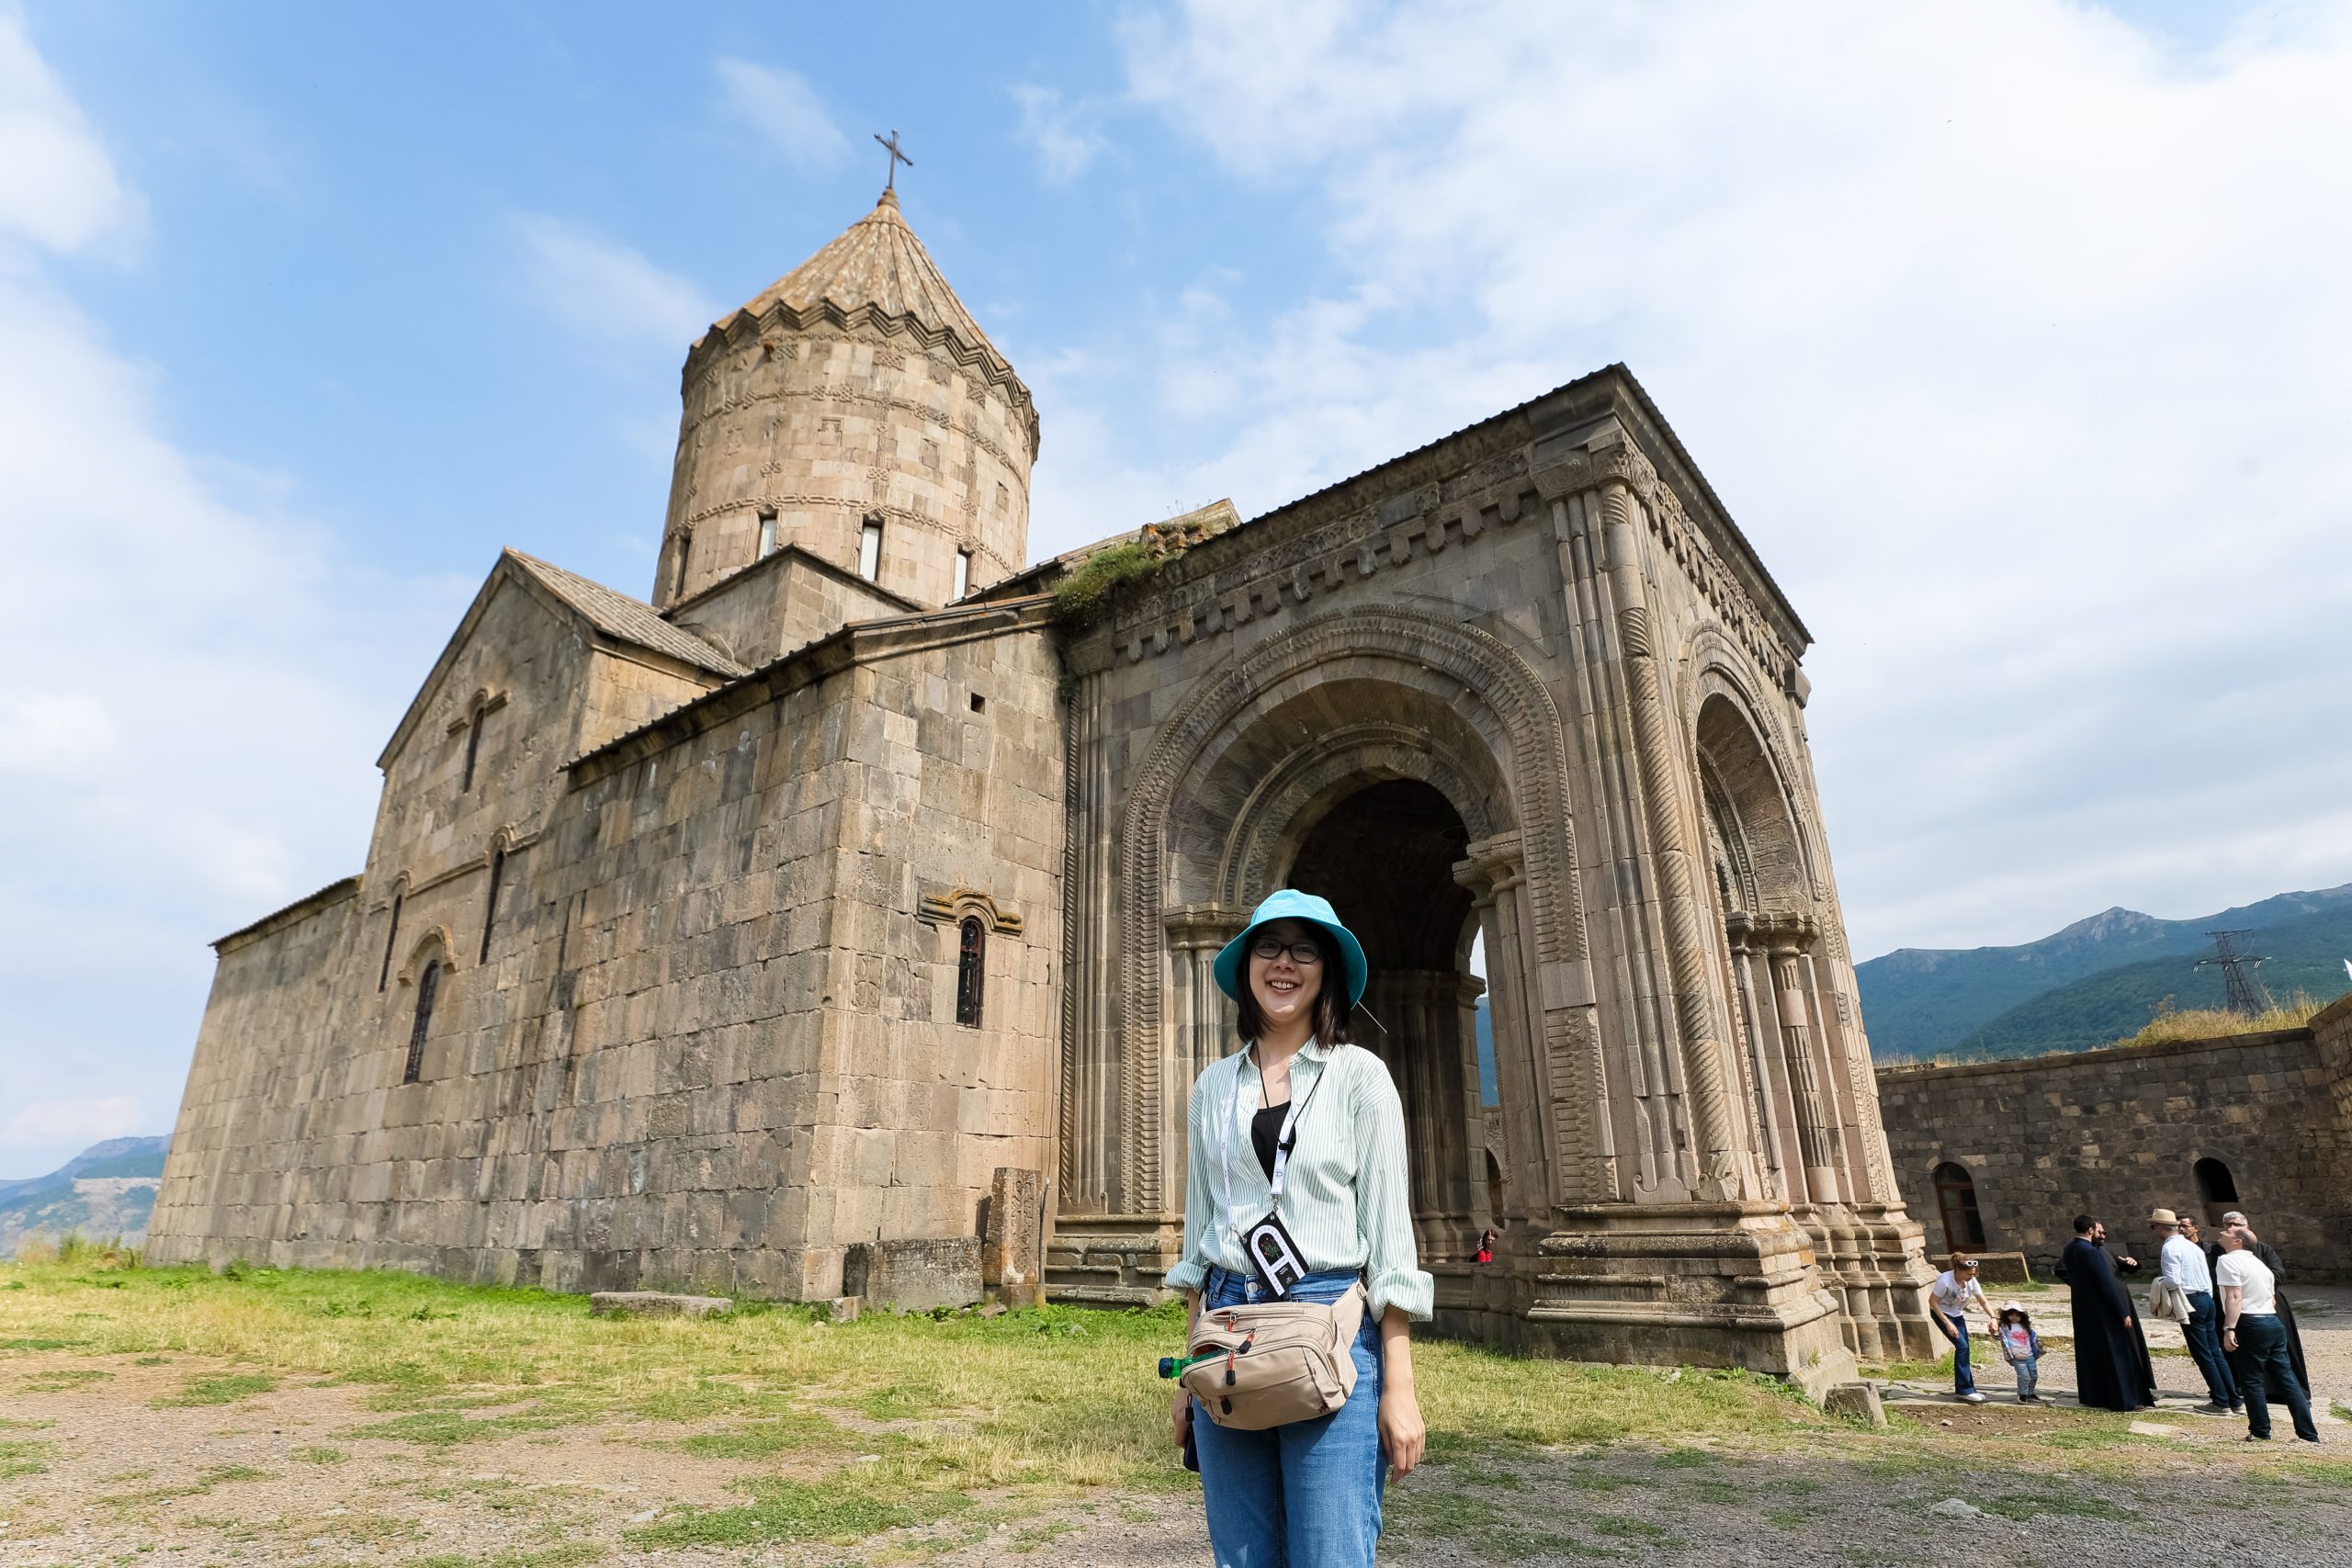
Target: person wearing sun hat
x=1299 y=1123
x=2179 y=1261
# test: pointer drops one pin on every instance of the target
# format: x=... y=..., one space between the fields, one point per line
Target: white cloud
x=77 y=1122
x=1066 y=146
x=2011 y=334
x=604 y=292
x=785 y=111
x=57 y=186
x=198 y=679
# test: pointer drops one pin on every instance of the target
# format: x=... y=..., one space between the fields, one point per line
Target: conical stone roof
x=875 y=265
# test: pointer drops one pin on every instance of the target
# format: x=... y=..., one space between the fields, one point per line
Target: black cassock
x=2111 y=1366
x=2270 y=1258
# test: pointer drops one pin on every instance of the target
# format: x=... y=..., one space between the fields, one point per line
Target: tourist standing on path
x=2021 y=1347
x=1302 y=1124
x=2111 y=1367
x=2180 y=1262
x=1947 y=1300
x=2257 y=1346
x=2268 y=1254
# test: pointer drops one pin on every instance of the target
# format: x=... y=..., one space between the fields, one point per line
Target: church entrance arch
x=1410 y=769
x=1384 y=857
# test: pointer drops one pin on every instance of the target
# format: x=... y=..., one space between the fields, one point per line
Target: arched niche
x=1236 y=779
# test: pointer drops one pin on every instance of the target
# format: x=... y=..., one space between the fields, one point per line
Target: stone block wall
x=2119 y=1132
x=713 y=1043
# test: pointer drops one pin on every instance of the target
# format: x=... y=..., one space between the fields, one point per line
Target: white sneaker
x=1971 y=1398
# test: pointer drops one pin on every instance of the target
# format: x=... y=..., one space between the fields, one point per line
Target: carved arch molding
x=1468 y=668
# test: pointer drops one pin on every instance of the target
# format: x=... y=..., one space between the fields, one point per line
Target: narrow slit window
x=767 y=535
x=685 y=554
x=489 y=902
x=392 y=939
x=963 y=573
x=473 y=750
x=971 y=971
x=427 y=984
x=869 y=550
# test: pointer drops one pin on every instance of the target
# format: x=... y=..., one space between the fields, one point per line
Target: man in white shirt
x=2257 y=1343
x=1947 y=1300
x=2182 y=1262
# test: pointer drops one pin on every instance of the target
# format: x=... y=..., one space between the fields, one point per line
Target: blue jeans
x=1962 y=1380
x=2028 y=1376
x=1305 y=1495
x=2203 y=1332
x=2262 y=1361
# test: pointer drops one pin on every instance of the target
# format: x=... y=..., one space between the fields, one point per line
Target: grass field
x=922 y=1434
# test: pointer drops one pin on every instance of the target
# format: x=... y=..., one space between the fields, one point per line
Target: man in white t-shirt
x=1947 y=1300
x=2255 y=1342
x=2183 y=1262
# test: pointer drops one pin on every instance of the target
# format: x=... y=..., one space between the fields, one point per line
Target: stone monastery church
x=855 y=896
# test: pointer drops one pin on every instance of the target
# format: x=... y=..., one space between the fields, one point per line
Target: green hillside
x=2305 y=954
x=1920 y=1002
x=107 y=1189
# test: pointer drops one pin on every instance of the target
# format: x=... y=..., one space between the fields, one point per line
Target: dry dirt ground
x=102 y=1462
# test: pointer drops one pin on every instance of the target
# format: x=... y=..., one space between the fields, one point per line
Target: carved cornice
x=745 y=328
x=1303 y=559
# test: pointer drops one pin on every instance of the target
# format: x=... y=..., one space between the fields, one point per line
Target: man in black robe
x=2235 y=1221
x=2111 y=1366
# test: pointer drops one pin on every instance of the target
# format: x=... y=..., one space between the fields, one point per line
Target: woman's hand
x=1180 y=1412
x=1402 y=1436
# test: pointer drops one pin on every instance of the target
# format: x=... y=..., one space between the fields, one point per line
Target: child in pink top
x=2021 y=1347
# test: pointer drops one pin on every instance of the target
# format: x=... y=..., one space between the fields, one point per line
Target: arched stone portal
x=1384 y=857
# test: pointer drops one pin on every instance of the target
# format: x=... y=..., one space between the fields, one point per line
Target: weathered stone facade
x=2261 y=1122
x=700 y=945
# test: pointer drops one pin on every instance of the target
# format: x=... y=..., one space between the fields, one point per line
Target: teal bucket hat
x=1290 y=904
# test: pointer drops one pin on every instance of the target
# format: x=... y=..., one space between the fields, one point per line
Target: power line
x=2247 y=992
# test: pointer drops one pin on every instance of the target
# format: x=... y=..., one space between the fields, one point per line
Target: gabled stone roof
x=877 y=262
x=625 y=619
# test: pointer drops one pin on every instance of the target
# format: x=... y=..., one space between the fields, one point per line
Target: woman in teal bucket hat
x=1301 y=1124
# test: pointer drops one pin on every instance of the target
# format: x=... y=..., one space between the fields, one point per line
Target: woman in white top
x=1947 y=1302
x=1302 y=1124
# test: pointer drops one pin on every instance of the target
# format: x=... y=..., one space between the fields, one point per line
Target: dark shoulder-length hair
x=1334 y=1011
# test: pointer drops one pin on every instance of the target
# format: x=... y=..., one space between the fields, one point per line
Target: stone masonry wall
x=713 y=1040
x=2119 y=1132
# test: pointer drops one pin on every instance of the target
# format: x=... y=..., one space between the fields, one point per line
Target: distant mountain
x=1919 y=1001
x=107 y=1189
x=2305 y=954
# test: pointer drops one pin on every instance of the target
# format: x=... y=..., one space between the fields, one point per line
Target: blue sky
x=2011 y=332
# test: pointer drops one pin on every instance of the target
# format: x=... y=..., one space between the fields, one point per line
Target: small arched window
x=427 y=984
x=2216 y=1189
x=473 y=751
x=1956 y=1201
x=489 y=902
x=971 y=971
x=391 y=938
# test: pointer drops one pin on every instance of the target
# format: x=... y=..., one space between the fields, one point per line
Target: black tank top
x=1265 y=1131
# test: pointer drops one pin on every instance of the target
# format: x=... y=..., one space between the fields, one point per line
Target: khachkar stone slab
x=914 y=1276
x=1014 y=1248
x=655 y=1304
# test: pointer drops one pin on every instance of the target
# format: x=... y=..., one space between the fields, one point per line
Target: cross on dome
x=897 y=158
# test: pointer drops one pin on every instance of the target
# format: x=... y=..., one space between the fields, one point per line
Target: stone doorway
x=1384 y=856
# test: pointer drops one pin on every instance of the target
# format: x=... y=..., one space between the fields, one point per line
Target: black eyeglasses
x=1305 y=955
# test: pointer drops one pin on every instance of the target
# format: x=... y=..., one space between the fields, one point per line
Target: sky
x=2013 y=333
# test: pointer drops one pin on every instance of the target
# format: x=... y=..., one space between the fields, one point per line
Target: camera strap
x=1273 y=1255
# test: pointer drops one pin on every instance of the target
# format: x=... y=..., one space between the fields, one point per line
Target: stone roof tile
x=876 y=262
x=628 y=620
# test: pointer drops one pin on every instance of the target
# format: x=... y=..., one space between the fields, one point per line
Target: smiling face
x=1283 y=988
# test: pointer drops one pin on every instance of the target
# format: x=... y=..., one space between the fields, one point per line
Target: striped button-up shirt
x=1344 y=1197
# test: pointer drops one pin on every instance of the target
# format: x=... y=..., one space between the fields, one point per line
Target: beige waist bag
x=1276 y=1362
